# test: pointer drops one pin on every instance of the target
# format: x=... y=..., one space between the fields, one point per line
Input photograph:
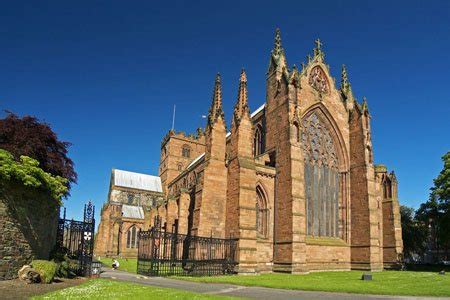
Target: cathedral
x=294 y=180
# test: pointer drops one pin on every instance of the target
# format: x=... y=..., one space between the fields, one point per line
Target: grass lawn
x=125 y=264
x=383 y=283
x=109 y=289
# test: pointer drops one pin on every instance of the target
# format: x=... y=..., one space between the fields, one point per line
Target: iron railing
x=76 y=238
x=164 y=253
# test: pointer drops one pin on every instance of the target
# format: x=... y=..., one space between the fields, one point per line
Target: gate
x=76 y=238
x=163 y=253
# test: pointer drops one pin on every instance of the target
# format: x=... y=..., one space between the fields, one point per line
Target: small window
x=258 y=142
x=186 y=152
x=132 y=237
x=262 y=213
x=180 y=167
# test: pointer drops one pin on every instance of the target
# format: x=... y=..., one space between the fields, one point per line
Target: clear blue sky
x=106 y=74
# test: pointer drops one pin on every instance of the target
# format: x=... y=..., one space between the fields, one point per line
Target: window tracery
x=322 y=179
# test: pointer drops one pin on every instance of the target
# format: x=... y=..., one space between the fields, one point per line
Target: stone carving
x=317 y=143
x=318 y=80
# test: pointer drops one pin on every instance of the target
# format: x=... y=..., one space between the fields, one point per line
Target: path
x=241 y=291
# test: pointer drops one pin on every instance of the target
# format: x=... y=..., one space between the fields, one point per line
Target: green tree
x=30 y=137
x=27 y=172
x=435 y=213
x=414 y=233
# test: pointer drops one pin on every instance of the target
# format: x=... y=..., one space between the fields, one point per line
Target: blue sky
x=106 y=74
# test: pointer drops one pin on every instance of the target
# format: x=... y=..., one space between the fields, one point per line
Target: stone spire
x=345 y=84
x=241 y=107
x=277 y=48
x=216 y=110
x=278 y=60
x=364 y=106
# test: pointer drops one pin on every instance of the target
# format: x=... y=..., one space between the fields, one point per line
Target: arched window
x=132 y=237
x=387 y=188
x=262 y=213
x=258 y=141
x=186 y=152
x=179 y=166
x=322 y=179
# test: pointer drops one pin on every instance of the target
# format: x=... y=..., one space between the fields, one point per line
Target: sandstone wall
x=28 y=227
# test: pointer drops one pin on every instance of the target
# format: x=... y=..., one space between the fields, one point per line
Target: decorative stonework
x=317 y=143
x=318 y=80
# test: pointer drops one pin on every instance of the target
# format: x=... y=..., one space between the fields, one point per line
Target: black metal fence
x=163 y=253
x=76 y=238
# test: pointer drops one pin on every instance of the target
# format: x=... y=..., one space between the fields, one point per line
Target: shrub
x=47 y=269
x=66 y=268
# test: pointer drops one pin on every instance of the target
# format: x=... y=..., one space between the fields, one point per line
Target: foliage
x=383 y=283
x=125 y=264
x=414 y=233
x=435 y=213
x=66 y=266
x=109 y=289
x=45 y=268
x=28 y=172
x=30 y=137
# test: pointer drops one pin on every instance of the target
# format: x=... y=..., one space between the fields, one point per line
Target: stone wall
x=28 y=226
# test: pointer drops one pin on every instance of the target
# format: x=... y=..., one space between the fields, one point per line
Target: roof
x=196 y=160
x=133 y=212
x=136 y=181
x=258 y=110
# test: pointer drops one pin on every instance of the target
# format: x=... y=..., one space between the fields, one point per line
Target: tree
x=29 y=137
x=27 y=172
x=435 y=213
x=414 y=233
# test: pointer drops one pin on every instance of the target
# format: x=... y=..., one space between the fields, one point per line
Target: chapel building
x=294 y=181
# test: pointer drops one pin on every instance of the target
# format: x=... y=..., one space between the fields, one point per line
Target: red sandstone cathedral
x=294 y=181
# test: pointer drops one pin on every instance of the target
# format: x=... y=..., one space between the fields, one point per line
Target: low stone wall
x=28 y=227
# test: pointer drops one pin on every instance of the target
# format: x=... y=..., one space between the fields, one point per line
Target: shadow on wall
x=28 y=226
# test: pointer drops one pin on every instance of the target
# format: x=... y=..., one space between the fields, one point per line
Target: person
x=115 y=264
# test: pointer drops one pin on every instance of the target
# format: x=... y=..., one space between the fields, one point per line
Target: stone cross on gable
x=318 y=44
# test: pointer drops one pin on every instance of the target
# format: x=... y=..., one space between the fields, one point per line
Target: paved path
x=240 y=291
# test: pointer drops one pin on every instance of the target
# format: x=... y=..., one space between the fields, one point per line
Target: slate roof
x=134 y=180
x=133 y=212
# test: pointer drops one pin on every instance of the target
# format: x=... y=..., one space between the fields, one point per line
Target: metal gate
x=76 y=238
x=163 y=253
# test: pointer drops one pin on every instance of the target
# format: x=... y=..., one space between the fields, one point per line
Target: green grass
x=125 y=264
x=383 y=283
x=109 y=289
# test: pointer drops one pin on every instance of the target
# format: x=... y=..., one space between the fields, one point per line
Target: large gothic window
x=132 y=237
x=321 y=178
x=258 y=141
x=261 y=213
